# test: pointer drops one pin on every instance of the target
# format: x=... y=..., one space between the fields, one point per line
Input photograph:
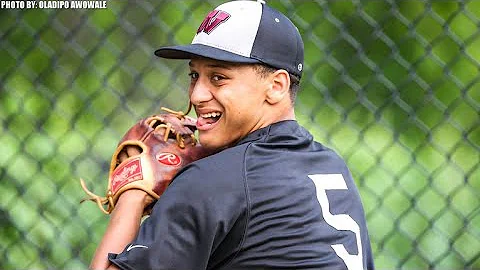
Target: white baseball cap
x=245 y=32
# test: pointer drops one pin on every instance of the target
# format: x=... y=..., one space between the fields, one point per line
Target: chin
x=212 y=145
x=205 y=142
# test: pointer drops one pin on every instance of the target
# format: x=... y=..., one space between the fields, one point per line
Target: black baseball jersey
x=276 y=200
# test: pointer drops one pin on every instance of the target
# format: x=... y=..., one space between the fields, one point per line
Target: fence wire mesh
x=393 y=86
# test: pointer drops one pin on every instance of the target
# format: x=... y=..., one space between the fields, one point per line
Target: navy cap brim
x=194 y=50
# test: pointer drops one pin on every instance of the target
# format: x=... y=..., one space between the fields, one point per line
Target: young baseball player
x=271 y=197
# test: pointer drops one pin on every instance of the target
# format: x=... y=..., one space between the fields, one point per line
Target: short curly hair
x=264 y=70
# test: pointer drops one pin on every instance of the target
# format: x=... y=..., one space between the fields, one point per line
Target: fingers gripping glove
x=166 y=144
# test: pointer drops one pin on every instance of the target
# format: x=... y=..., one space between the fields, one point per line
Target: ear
x=279 y=88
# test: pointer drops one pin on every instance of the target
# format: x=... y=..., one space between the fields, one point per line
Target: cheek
x=243 y=96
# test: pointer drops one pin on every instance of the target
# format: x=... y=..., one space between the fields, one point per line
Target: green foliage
x=390 y=85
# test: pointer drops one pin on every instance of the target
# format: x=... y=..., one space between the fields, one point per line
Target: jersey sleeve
x=188 y=222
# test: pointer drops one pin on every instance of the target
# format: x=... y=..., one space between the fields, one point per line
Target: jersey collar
x=280 y=131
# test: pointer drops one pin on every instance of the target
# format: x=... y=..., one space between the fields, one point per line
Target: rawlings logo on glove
x=164 y=144
x=126 y=173
x=168 y=159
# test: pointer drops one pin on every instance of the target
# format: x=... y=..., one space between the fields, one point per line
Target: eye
x=217 y=78
x=193 y=75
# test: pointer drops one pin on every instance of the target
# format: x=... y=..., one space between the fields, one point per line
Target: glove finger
x=186 y=129
x=183 y=130
x=189 y=121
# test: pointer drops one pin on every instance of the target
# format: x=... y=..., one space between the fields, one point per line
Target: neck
x=287 y=113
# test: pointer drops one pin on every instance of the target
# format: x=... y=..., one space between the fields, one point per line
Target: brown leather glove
x=165 y=143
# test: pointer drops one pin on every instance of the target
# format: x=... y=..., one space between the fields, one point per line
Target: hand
x=136 y=198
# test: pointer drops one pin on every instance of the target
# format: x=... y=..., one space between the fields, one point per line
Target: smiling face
x=231 y=100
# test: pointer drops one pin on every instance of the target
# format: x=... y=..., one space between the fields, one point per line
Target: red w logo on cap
x=213 y=19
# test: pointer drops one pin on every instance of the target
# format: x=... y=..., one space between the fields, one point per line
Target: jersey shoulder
x=218 y=170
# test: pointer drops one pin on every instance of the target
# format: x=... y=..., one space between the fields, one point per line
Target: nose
x=200 y=92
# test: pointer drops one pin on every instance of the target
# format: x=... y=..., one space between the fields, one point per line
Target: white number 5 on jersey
x=340 y=222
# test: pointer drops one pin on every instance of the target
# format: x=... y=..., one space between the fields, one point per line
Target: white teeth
x=212 y=114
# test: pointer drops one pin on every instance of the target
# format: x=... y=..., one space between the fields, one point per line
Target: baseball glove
x=165 y=143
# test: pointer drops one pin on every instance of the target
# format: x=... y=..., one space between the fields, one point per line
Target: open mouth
x=208 y=119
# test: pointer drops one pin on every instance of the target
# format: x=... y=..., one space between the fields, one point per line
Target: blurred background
x=392 y=86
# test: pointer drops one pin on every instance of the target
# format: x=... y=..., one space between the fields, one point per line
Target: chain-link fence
x=393 y=86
